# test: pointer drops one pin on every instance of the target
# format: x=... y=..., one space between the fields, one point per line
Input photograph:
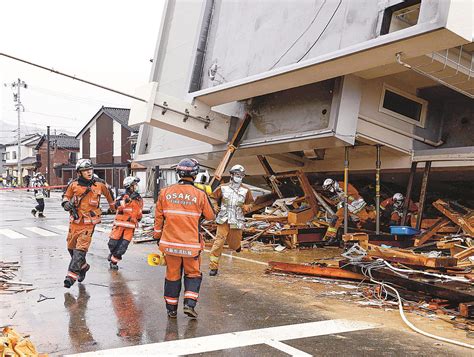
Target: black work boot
x=68 y=282
x=188 y=310
x=113 y=266
x=239 y=249
x=33 y=212
x=82 y=273
x=41 y=215
x=213 y=272
x=172 y=314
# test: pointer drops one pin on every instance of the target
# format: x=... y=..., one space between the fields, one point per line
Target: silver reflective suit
x=233 y=198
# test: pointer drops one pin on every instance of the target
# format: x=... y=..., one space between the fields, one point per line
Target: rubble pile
x=7 y=283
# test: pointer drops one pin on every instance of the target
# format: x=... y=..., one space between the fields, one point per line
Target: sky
x=109 y=42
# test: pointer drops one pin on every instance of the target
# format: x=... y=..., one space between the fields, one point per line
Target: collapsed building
x=316 y=79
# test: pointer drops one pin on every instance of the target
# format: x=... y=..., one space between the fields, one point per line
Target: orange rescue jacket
x=179 y=210
x=86 y=197
x=129 y=210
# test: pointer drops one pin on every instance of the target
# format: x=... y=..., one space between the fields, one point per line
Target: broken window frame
x=424 y=106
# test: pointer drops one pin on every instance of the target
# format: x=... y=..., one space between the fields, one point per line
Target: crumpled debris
x=12 y=344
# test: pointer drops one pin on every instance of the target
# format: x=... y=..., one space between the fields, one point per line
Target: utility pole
x=48 y=153
x=48 y=150
x=19 y=107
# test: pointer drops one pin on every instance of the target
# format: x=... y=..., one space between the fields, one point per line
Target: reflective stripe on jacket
x=179 y=210
x=89 y=206
x=128 y=213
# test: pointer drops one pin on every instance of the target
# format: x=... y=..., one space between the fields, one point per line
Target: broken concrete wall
x=289 y=112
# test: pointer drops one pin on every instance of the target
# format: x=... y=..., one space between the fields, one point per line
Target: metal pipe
x=377 y=191
x=406 y=203
x=346 y=184
x=323 y=203
x=424 y=186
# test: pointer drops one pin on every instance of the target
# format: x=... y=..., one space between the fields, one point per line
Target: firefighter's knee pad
x=121 y=248
x=113 y=244
x=172 y=288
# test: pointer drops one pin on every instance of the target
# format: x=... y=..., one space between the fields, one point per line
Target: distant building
x=105 y=139
x=2 y=159
x=28 y=155
x=64 y=150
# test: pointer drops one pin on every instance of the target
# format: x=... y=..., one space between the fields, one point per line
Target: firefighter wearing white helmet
x=129 y=208
x=392 y=209
x=356 y=207
x=233 y=199
x=82 y=201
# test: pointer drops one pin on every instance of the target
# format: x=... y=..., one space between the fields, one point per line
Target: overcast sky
x=104 y=41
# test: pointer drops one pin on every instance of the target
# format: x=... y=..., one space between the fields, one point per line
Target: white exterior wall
x=93 y=140
x=117 y=139
x=81 y=150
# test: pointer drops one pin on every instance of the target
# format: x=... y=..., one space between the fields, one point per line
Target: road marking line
x=12 y=234
x=61 y=227
x=101 y=229
x=286 y=348
x=41 y=232
x=240 y=258
x=237 y=339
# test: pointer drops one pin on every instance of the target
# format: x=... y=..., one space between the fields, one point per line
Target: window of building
x=4 y=156
x=400 y=16
x=404 y=106
x=7 y=156
x=72 y=157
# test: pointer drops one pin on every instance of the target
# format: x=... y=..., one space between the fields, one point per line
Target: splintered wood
x=7 y=275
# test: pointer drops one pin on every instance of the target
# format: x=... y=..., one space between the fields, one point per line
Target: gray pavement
x=116 y=309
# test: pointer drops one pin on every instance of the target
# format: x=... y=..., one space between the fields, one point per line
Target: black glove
x=67 y=205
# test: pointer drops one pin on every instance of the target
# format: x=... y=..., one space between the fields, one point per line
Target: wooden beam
x=430 y=232
x=466 y=222
x=265 y=164
x=324 y=272
x=308 y=192
x=466 y=253
x=409 y=258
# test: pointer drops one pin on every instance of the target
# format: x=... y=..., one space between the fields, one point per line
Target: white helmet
x=330 y=185
x=129 y=181
x=398 y=199
x=202 y=177
x=237 y=169
x=83 y=164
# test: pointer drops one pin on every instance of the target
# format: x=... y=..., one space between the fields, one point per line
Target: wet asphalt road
x=115 y=309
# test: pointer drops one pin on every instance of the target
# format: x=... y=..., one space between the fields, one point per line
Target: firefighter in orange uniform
x=129 y=208
x=82 y=201
x=179 y=210
x=357 y=208
x=392 y=209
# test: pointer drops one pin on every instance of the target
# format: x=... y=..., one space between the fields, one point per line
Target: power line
x=299 y=37
x=70 y=97
x=322 y=32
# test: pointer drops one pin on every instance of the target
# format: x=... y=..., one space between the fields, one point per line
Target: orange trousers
x=80 y=236
x=176 y=265
x=122 y=232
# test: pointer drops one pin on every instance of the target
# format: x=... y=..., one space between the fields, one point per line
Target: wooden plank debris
x=314 y=270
